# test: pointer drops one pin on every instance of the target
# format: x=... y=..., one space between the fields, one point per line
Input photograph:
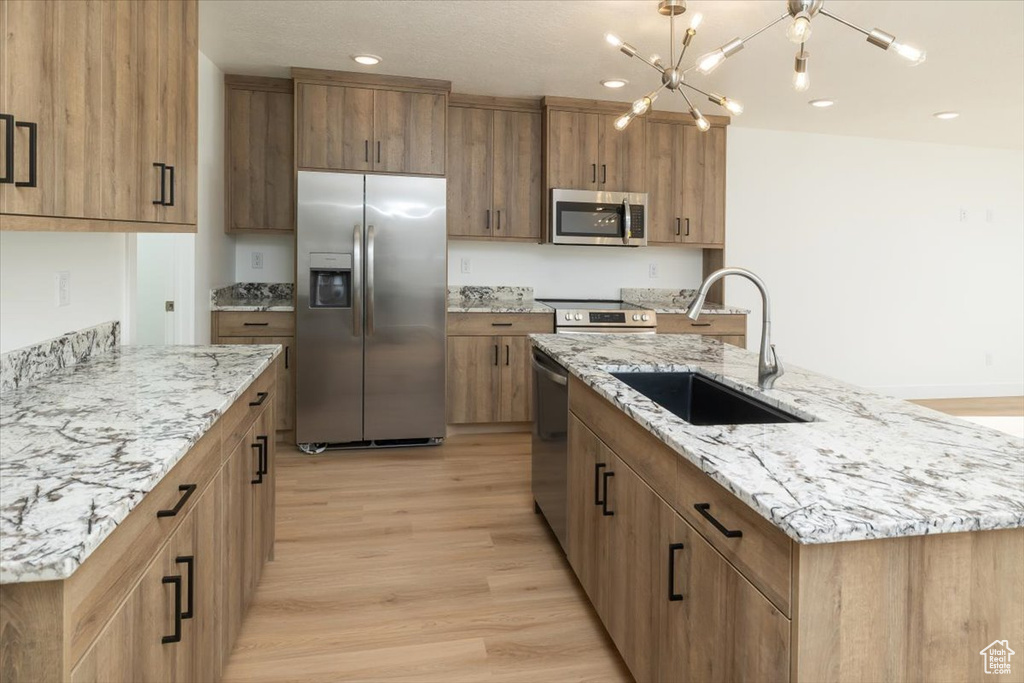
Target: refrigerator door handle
x=357 y=281
x=369 y=280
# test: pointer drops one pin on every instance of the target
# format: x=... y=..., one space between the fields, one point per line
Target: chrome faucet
x=768 y=370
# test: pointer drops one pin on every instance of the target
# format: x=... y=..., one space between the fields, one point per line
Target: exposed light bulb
x=800 y=30
x=702 y=123
x=801 y=81
x=696 y=21
x=613 y=39
x=733 y=106
x=641 y=106
x=710 y=61
x=623 y=121
x=912 y=54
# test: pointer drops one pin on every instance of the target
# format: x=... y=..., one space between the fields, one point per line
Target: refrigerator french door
x=370 y=309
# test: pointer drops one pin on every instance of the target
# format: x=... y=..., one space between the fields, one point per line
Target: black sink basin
x=702 y=401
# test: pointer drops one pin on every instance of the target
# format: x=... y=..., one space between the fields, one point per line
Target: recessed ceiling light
x=614 y=82
x=821 y=104
x=945 y=115
x=367 y=60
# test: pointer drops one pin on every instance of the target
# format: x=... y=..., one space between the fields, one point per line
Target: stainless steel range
x=588 y=316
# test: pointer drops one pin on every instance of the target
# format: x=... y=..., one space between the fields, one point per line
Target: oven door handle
x=626 y=221
x=558 y=379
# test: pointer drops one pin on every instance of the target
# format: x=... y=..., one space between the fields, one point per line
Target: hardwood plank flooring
x=998 y=406
x=423 y=564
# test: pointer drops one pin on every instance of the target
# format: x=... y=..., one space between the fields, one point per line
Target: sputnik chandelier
x=799 y=31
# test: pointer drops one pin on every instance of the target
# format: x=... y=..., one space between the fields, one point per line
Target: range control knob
x=579 y=316
x=645 y=317
x=568 y=316
x=636 y=316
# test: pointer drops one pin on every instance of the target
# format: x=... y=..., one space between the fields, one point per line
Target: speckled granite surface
x=672 y=301
x=81 y=448
x=500 y=299
x=254 y=296
x=21 y=367
x=869 y=466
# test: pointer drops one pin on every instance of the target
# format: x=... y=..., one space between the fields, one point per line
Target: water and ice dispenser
x=330 y=280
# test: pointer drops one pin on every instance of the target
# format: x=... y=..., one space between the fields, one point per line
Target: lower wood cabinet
x=489 y=379
x=729 y=328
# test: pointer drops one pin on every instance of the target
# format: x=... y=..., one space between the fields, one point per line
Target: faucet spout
x=769 y=367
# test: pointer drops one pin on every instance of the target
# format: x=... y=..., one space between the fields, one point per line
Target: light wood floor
x=1000 y=406
x=421 y=564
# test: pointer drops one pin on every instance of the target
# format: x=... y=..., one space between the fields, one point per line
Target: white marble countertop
x=81 y=448
x=460 y=305
x=869 y=466
x=251 y=304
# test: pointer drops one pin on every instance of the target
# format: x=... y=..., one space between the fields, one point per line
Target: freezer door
x=405 y=286
x=328 y=308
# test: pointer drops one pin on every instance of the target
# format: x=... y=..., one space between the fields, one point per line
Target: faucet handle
x=779 y=369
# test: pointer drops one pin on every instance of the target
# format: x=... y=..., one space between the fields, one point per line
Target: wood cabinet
x=102 y=97
x=259 y=167
x=585 y=152
x=272 y=327
x=686 y=184
x=490 y=376
x=494 y=168
x=355 y=122
x=729 y=328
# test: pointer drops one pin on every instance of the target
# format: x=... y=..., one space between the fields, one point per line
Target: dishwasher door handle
x=558 y=379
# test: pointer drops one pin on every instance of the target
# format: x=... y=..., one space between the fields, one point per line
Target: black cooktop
x=591 y=304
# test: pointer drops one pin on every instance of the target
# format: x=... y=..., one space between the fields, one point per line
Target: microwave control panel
x=636 y=221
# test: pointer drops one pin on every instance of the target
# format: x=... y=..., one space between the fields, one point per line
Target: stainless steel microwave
x=614 y=219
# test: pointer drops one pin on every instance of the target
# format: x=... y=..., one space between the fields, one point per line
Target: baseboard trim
x=491 y=428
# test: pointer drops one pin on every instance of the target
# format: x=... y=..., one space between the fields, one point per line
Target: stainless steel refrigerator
x=370 y=310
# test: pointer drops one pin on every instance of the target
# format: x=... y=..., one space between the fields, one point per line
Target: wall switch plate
x=652 y=271
x=169 y=306
x=466 y=266
x=257 y=260
x=963 y=215
x=63 y=288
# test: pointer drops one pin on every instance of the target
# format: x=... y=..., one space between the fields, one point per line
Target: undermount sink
x=703 y=401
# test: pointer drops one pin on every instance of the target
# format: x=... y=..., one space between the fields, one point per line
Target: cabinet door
x=664 y=199
x=473 y=379
x=409 y=132
x=260 y=183
x=516 y=403
x=284 y=404
x=263 y=507
x=53 y=54
x=470 y=155
x=572 y=150
x=334 y=127
x=237 y=532
x=517 y=175
x=208 y=550
x=622 y=157
x=722 y=628
x=704 y=185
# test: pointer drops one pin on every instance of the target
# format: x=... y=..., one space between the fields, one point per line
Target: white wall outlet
x=466 y=265
x=257 y=260
x=652 y=271
x=963 y=215
x=64 y=288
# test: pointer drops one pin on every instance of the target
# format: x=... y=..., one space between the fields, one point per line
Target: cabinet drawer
x=716 y=324
x=253 y=324
x=763 y=553
x=240 y=416
x=474 y=324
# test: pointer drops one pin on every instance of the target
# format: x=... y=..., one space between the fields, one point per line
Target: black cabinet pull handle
x=597 y=483
x=366 y=150
x=261 y=396
x=703 y=508
x=33 y=153
x=499 y=219
x=501 y=324
x=593 y=171
x=163 y=185
x=190 y=572
x=507 y=354
x=604 y=173
x=255 y=324
x=8 y=176
x=264 y=453
x=700 y=324
x=677 y=226
x=495 y=354
x=687 y=227
x=286 y=357
x=171 y=201
x=378 y=151
x=672 y=595
x=488 y=225
x=176 y=637
x=604 y=502
x=259 y=463
x=189 y=489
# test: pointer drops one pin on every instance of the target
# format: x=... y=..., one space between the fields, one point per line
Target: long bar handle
x=672 y=595
x=163 y=185
x=33 y=154
x=597 y=483
x=188 y=490
x=703 y=509
x=357 y=281
x=190 y=572
x=550 y=374
x=176 y=636
x=627 y=221
x=171 y=201
x=604 y=501
x=370 y=234
x=8 y=176
x=264 y=453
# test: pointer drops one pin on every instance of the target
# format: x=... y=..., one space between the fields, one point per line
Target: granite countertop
x=674 y=301
x=82 y=447
x=253 y=296
x=868 y=466
x=496 y=299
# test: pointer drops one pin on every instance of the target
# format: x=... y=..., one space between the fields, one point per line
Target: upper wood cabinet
x=494 y=168
x=100 y=100
x=685 y=183
x=355 y=122
x=259 y=170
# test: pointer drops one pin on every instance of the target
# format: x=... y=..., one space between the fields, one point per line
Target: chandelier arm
x=672 y=38
x=688 y=103
x=693 y=87
x=766 y=27
x=659 y=69
x=844 y=22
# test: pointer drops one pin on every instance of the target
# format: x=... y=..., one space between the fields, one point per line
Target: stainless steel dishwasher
x=550 y=442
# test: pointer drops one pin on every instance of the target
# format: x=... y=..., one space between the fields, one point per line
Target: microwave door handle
x=357 y=281
x=625 y=222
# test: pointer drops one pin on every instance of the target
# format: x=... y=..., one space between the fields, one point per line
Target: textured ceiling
x=975 y=59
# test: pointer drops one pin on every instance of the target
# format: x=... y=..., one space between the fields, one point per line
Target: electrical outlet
x=963 y=215
x=466 y=265
x=652 y=271
x=257 y=260
x=64 y=288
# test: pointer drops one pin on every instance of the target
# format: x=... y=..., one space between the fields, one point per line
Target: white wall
x=214 y=251
x=572 y=271
x=873 y=276
x=278 y=258
x=29 y=263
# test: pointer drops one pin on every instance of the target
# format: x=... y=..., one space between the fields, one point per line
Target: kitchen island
x=136 y=512
x=877 y=540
